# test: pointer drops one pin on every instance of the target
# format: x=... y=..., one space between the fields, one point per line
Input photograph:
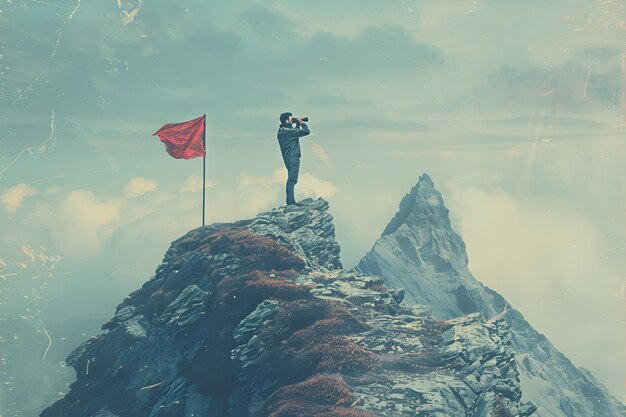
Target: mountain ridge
x=423 y=255
x=258 y=318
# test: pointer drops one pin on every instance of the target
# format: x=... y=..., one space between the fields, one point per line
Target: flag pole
x=204 y=168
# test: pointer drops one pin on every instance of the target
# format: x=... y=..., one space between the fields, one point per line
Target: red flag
x=184 y=140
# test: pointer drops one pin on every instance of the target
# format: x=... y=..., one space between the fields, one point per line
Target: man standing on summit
x=289 y=132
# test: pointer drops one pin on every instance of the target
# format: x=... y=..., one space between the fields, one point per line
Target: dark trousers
x=293 y=167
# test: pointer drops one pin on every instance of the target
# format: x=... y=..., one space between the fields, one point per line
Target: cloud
x=14 y=196
x=264 y=181
x=193 y=184
x=542 y=255
x=569 y=86
x=447 y=153
x=524 y=245
x=513 y=152
x=319 y=151
x=139 y=186
x=381 y=50
x=308 y=184
x=78 y=221
x=129 y=17
x=550 y=261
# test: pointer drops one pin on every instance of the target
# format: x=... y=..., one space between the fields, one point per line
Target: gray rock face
x=460 y=367
x=419 y=251
x=237 y=313
x=306 y=230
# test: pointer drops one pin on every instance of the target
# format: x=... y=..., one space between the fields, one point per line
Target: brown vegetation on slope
x=307 y=337
x=319 y=396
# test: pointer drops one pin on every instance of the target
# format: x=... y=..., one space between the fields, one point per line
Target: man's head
x=285 y=118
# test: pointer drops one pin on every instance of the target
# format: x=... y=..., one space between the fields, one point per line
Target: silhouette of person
x=289 y=133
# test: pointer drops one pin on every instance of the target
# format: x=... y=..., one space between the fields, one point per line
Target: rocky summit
x=258 y=318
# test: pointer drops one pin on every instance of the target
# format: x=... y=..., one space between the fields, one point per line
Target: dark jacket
x=288 y=139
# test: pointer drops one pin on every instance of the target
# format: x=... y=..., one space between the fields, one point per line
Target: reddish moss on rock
x=258 y=252
x=311 y=336
x=308 y=335
x=233 y=293
x=341 y=354
x=159 y=300
x=321 y=395
x=378 y=287
x=333 y=320
x=276 y=288
x=262 y=252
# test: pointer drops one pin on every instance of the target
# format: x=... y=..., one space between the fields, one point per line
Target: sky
x=516 y=110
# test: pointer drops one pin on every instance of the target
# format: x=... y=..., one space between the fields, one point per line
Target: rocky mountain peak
x=307 y=231
x=423 y=204
x=419 y=234
x=419 y=252
x=258 y=318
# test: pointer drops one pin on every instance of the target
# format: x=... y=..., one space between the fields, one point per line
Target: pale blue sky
x=515 y=109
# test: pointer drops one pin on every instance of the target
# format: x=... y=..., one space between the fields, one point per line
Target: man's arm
x=289 y=133
x=301 y=130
